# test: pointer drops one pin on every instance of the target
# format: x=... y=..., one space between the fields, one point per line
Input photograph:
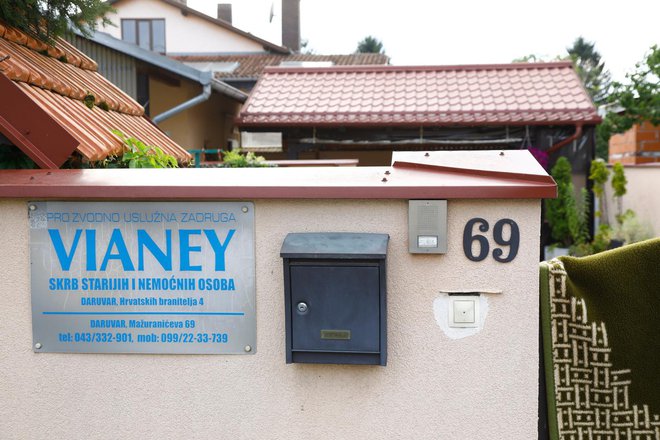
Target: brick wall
x=640 y=144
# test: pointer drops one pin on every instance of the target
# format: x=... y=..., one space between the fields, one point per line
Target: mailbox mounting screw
x=384 y=179
x=37 y=345
x=426 y=154
x=387 y=172
x=33 y=207
x=501 y=153
x=248 y=348
x=244 y=209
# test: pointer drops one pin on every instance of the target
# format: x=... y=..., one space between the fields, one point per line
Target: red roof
x=42 y=109
x=366 y=96
x=250 y=66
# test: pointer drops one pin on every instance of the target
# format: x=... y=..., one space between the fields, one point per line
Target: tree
x=638 y=100
x=370 y=45
x=591 y=69
x=47 y=19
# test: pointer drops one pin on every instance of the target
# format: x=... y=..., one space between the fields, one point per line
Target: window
x=147 y=33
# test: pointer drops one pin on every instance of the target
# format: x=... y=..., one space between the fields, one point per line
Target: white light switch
x=464 y=311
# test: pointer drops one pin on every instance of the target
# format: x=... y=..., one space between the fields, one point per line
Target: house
x=191 y=106
x=213 y=45
x=55 y=104
x=171 y=27
x=236 y=57
x=366 y=112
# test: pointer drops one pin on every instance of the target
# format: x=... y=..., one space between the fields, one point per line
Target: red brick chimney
x=291 y=24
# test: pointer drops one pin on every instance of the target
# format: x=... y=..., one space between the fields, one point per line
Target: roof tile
x=59 y=87
x=422 y=95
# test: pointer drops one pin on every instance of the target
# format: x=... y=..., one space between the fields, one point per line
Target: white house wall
x=183 y=34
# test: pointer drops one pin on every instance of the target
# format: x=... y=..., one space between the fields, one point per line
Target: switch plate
x=464 y=311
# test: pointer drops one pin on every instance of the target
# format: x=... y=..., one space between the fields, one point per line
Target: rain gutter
x=568 y=140
x=204 y=96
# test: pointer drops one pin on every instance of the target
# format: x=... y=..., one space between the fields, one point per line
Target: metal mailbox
x=335 y=298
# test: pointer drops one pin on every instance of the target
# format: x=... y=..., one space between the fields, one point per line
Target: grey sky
x=463 y=32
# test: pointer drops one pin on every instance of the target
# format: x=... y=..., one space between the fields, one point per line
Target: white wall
x=434 y=387
x=182 y=33
x=642 y=196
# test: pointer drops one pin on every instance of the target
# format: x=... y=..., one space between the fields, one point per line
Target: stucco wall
x=183 y=34
x=481 y=386
x=206 y=125
x=641 y=196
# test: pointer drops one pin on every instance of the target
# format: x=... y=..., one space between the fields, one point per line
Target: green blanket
x=600 y=318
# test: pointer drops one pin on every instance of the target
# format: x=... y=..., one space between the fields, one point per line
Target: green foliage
x=579 y=223
x=565 y=217
x=638 y=100
x=591 y=69
x=370 y=44
x=138 y=155
x=599 y=174
x=602 y=142
x=600 y=243
x=619 y=183
x=47 y=19
x=236 y=159
x=631 y=229
x=619 y=180
x=12 y=158
x=89 y=100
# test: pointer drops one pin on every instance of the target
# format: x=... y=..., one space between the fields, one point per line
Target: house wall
x=206 y=125
x=118 y=68
x=641 y=197
x=183 y=33
x=434 y=386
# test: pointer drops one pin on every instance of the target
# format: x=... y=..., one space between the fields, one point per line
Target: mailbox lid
x=335 y=245
x=343 y=308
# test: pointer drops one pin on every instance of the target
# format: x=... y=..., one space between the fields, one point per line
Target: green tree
x=47 y=19
x=370 y=44
x=591 y=69
x=638 y=100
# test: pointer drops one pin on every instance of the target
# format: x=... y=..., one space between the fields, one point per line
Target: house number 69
x=513 y=242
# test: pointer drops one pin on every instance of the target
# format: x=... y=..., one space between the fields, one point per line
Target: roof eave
x=244 y=124
x=165 y=63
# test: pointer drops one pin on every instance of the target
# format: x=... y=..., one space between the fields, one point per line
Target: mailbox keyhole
x=302 y=307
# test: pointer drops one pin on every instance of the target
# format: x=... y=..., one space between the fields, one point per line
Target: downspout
x=568 y=140
x=205 y=95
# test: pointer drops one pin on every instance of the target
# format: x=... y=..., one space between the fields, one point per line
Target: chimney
x=224 y=12
x=291 y=24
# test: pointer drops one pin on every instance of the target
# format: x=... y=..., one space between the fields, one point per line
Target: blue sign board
x=143 y=277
